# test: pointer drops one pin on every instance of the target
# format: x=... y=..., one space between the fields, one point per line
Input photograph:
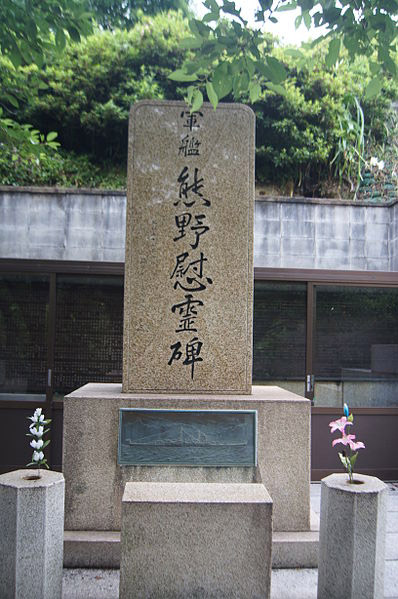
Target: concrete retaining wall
x=326 y=234
x=89 y=225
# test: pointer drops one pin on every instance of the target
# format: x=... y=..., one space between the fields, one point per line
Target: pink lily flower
x=345 y=440
x=339 y=424
x=356 y=445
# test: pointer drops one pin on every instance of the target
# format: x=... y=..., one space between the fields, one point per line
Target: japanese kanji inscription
x=189 y=249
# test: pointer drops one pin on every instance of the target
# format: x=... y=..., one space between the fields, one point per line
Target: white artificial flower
x=37 y=416
x=41 y=455
x=36 y=456
x=380 y=165
x=37 y=444
x=37 y=432
x=374 y=161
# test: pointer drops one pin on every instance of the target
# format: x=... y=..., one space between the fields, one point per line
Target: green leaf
x=278 y=89
x=388 y=63
x=278 y=71
x=307 y=19
x=50 y=137
x=190 y=91
x=179 y=75
x=264 y=69
x=197 y=100
x=351 y=43
x=244 y=81
x=353 y=459
x=333 y=53
x=284 y=7
x=254 y=91
x=211 y=94
x=199 y=29
x=190 y=43
x=211 y=16
x=222 y=81
x=297 y=21
x=373 y=88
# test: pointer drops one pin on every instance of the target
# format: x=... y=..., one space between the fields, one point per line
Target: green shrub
x=91 y=87
x=86 y=95
x=61 y=169
x=299 y=134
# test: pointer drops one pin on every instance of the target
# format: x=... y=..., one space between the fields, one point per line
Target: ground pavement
x=285 y=584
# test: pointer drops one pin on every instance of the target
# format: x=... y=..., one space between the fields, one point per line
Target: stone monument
x=189 y=250
x=187 y=338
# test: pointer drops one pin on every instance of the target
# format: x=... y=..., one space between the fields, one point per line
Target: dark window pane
x=89 y=330
x=356 y=346
x=23 y=335
x=279 y=333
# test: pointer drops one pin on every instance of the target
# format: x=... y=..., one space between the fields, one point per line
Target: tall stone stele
x=189 y=249
x=187 y=331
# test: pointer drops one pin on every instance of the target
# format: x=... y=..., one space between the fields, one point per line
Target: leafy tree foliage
x=300 y=137
x=229 y=57
x=112 y=14
x=88 y=90
x=29 y=30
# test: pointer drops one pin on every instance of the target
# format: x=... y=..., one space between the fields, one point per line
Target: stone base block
x=352 y=538
x=31 y=538
x=95 y=482
x=186 y=540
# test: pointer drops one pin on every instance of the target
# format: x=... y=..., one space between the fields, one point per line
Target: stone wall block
x=298 y=229
x=332 y=230
x=376 y=248
x=330 y=213
x=31 y=540
x=297 y=247
x=352 y=538
x=377 y=214
x=357 y=214
x=186 y=540
x=377 y=263
x=357 y=231
x=297 y=212
x=267 y=210
x=377 y=231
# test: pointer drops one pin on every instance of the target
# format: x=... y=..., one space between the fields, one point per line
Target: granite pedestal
x=352 y=538
x=31 y=538
x=186 y=540
x=95 y=482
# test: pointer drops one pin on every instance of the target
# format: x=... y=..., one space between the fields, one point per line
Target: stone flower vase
x=32 y=531
x=352 y=537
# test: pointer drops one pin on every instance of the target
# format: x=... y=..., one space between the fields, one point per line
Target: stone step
x=101 y=549
x=296 y=549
